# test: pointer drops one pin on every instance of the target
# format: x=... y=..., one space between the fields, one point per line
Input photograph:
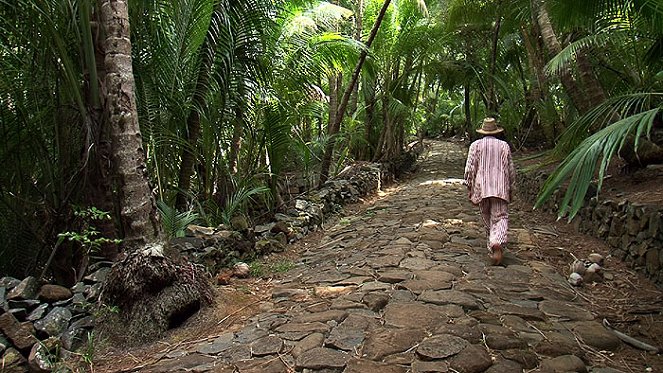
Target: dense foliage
x=237 y=100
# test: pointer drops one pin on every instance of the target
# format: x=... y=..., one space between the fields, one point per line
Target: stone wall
x=633 y=231
x=42 y=322
x=219 y=247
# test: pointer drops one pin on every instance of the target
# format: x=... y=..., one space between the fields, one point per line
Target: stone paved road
x=405 y=286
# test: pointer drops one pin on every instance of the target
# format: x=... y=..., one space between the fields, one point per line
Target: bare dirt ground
x=628 y=300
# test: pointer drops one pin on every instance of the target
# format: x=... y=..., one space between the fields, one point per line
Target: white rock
x=153 y=250
x=578 y=266
x=241 y=270
x=575 y=279
x=594 y=268
x=596 y=258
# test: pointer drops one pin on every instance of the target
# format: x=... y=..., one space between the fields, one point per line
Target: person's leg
x=484 y=208
x=499 y=219
x=499 y=224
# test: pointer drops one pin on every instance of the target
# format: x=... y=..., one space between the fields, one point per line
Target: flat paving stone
x=442 y=297
x=565 y=363
x=384 y=342
x=441 y=346
x=262 y=365
x=321 y=358
x=311 y=341
x=416 y=263
x=401 y=315
x=419 y=366
x=349 y=334
x=322 y=317
x=565 y=310
x=369 y=366
x=526 y=313
x=217 y=345
x=269 y=345
x=394 y=276
x=187 y=362
x=594 y=334
x=472 y=359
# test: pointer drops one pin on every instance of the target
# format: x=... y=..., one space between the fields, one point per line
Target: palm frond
x=173 y=222
x=600 y=40
x=595 y=151
x=239 y=198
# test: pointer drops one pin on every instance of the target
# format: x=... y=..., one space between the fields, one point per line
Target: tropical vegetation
x=214 y=108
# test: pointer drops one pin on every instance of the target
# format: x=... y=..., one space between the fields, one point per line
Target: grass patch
x=260 y=269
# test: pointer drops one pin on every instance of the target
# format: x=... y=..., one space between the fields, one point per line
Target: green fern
x=174 y=223
x=238 y=199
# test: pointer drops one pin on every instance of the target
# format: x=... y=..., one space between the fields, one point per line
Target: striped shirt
x=489 y=171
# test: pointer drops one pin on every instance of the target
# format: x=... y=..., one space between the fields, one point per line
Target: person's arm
x=471 y=167
x=512 y=175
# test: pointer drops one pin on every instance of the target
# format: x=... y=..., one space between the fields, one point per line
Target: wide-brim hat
x=489 y=127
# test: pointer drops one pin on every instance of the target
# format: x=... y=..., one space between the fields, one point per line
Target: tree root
x=630 y=340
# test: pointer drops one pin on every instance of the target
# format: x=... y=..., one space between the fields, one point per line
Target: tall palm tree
x=335 y=126
x=138 y=208
x=628 y=33
x=50 y=110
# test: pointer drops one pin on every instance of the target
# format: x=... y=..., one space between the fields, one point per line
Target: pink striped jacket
x=489 y=171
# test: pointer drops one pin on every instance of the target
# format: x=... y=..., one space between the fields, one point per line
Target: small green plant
x=282 y=266
x=259 y=269
x=88 y=355
x=89 y=236
x=256 y=269
x=174 y=223
x=103 y=310
x=345 y=221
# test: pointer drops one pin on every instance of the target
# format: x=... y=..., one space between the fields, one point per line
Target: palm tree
x=50 y=110
x=138 y=208
x=626 y=118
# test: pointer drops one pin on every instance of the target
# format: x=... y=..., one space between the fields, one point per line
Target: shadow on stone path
x=405 y=286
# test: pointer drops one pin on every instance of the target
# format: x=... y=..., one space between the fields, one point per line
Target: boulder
x=20 y=334
x=3 y=300
x=55 y=321
x=9 y=282
x=38 y=312
x=26 y=289
x=53 y=293
x=13 y=361
x=39 y=360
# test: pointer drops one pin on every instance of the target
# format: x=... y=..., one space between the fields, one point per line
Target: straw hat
x=490 y=127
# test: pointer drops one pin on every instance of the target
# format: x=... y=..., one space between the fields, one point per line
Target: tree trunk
x=592 y=86
x=369 y=97
x=385 y=134
x=329 y=149
x=236 y=143
x=466 y=107
x=553 y=45
x=332 y=129
x=137 y=206
x=154 y=294
x=193 y=128
x=539 y=85
x=359 y=15
x=491 y=96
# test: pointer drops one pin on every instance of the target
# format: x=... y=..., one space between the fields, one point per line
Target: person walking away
x=490 y=178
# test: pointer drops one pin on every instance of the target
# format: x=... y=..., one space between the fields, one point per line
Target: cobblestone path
x=405 y=286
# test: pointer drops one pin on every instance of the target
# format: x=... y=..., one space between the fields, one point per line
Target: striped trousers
x=495 y=215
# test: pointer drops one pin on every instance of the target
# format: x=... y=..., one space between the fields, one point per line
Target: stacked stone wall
x=633 y=231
